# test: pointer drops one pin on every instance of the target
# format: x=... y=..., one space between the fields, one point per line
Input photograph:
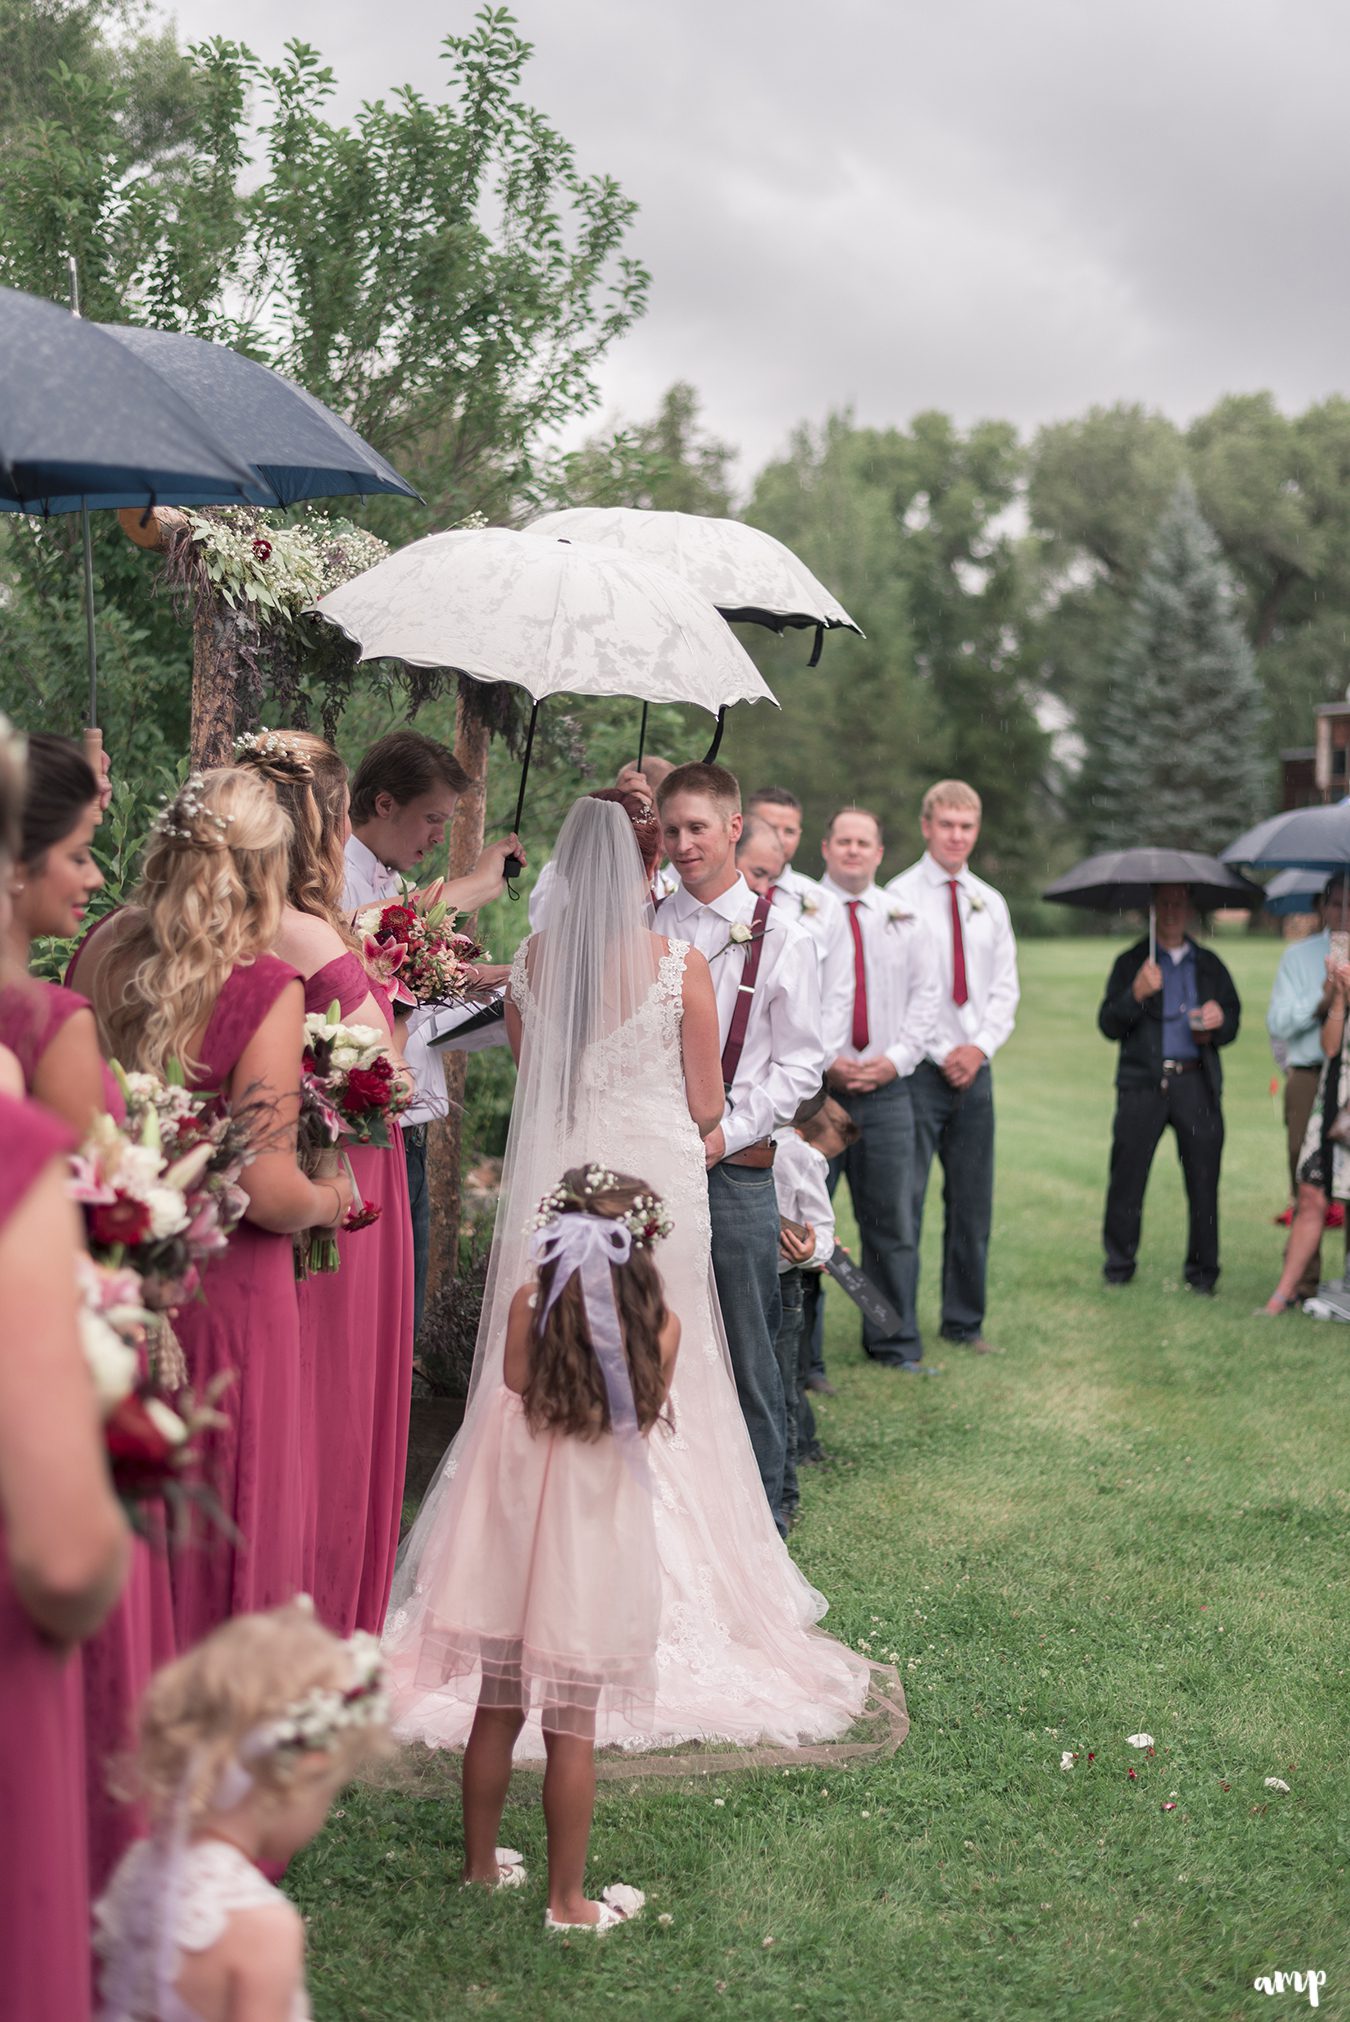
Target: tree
x=1180 y=759
x=667 y=464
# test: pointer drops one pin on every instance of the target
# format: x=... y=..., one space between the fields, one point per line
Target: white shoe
x=510 y=1868
x=619 y=1904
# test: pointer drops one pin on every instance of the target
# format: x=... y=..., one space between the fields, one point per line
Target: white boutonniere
x=976 y=903
x=896 y=916
x=739 y=935
x=808 y=902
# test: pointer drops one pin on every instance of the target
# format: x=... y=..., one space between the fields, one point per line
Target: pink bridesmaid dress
x=138 y=1635
x=356 y=1354
x=246 y=1321
x=44 y=1888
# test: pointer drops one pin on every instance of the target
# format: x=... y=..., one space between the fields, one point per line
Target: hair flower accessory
x=646 y=1220
x=178 y=819
x=273 y=751
x=315 y=1723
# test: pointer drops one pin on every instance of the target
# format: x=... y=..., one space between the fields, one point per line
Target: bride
x=615 y=1032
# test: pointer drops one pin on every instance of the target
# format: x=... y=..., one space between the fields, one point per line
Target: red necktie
x=861 y=1031
x=959 y=990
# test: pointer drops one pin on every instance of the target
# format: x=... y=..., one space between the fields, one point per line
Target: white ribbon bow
x=587 y=1246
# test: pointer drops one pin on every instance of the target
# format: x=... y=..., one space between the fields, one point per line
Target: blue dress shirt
x=1292 y=1017
x=1178 y=1001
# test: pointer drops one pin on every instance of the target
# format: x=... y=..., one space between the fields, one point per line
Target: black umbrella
x=299 y=447
x=1122 y=881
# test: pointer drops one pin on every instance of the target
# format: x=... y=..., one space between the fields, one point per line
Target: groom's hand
x=714 y=1146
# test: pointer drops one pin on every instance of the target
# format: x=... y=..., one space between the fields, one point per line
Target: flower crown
x=646 y=1220
x=318 y=1721
x=177 y=820
x=271 y=752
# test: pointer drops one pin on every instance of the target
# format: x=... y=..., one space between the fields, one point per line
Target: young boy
x=820 y=1132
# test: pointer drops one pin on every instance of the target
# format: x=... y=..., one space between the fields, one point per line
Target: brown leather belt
x=760 y=1154
x=1171 y=1067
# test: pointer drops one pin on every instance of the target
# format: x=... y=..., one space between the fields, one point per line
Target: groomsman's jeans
x=419 y=1204
x=880 y=1173
x=957 y=1124
x=743 y=1204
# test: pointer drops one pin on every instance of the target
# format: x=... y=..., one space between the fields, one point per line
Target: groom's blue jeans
x=743 y=1205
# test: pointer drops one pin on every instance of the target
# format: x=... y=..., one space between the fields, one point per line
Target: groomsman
x=403 y=799
x=886 y=1024
x=953 y=1088
x=768 y=1000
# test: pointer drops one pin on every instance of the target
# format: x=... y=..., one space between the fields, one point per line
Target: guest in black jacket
x=1170 y=1016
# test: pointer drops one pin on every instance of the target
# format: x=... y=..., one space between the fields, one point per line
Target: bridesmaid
x=63 y=1549
x=48 y=1028
x=53 y=1035
x=184 y=974
x=355 y=1325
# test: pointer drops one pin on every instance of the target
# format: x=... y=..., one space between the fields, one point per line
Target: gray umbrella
x=1304 y=838
x=1122 y=881
x=299 y=447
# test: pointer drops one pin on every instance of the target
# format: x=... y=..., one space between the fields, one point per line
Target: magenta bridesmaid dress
x=138 y=1635
x=44 y=1887
x=356 y=1357
x=246 y=1321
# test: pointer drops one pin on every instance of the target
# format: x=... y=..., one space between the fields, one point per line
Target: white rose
x=168 y=1212
x=112 y=1365
x=740 y=933
x=345 y=1057
x=139 y=1168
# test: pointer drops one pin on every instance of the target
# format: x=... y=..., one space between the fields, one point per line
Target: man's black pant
x=1142 y=1114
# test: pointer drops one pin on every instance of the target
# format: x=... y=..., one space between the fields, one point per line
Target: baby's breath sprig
x=178 y=818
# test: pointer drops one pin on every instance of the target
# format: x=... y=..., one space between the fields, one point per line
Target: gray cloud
x=997 y=209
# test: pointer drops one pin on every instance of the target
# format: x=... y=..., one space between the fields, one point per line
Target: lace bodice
x=639 y=1119
x=217 y=1880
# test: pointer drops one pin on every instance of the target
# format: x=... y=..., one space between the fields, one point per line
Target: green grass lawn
x=1133 y=1519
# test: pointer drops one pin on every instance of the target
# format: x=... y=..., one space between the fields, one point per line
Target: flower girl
x=546 y=1583
x=245 y=1742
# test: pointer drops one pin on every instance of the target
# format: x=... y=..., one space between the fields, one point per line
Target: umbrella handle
x=642 y=737
x=716 y=745
x=1152 y=933
x=817 y=649
x=512 y=866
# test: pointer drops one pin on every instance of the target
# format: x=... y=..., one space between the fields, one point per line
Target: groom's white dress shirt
x=986 y=1018
x=783 y=1059
x=901 y=967
x=367 y=882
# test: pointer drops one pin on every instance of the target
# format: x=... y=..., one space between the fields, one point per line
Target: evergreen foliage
x=1178 y=756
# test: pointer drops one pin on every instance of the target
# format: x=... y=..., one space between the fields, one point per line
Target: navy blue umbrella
x=1295 y=891
x=299 y=447
x=85 y=423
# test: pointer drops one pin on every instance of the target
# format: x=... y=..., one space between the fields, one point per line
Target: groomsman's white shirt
x=367 y=881
x=665 y=882
x=986 y=1018
x=819 y=914
x=782 y=1060
x=799 y=1174
x=902 y=984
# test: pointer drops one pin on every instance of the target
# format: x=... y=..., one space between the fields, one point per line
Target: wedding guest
x=245 y=1742
x=52 y=1033
x=1299 y=1001
x=1323 y=1164
x=889 y=1027
x=768 y=1004
x=63 y=1542
x=49 y=1028
x=185 y=974
x=403 y=798
x=356 y=1324
x=954 y=1088
x=643 y=780
x=1170 y=1016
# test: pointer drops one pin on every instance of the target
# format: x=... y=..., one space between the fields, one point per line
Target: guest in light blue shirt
x=1299 y=1001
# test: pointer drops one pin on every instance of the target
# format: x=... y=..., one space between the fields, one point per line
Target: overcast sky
x=995 y=207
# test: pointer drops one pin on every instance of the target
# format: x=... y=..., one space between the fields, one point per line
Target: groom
x=764 y=972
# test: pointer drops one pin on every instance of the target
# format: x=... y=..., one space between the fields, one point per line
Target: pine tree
x=1176 y=758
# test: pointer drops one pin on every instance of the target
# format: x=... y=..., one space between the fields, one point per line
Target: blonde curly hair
x=210 y=900
x=310 y=782
x=197 y=1711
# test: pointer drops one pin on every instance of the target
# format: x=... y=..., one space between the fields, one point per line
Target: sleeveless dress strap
x=345 y=979
x=32 y=1138
x=247 y=995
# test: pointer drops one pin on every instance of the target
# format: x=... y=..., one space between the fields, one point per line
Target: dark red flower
x=1133 y=1775
x=367 y=1088
x=397 y=920
x=138 y=1451
x=262 y=549
x=362 y=1217
x=123 y=1220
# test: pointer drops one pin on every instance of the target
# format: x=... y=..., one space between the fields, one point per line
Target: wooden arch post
x=215 y=647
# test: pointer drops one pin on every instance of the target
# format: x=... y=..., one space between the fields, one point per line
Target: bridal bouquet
x=411 y=945
x=151 y=1444
x=160 y=1195
x=351 y=1092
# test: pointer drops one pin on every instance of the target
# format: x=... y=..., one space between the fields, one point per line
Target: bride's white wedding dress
x=738 y=1656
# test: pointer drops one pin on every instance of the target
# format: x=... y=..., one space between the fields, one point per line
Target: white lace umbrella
x=553 y=617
